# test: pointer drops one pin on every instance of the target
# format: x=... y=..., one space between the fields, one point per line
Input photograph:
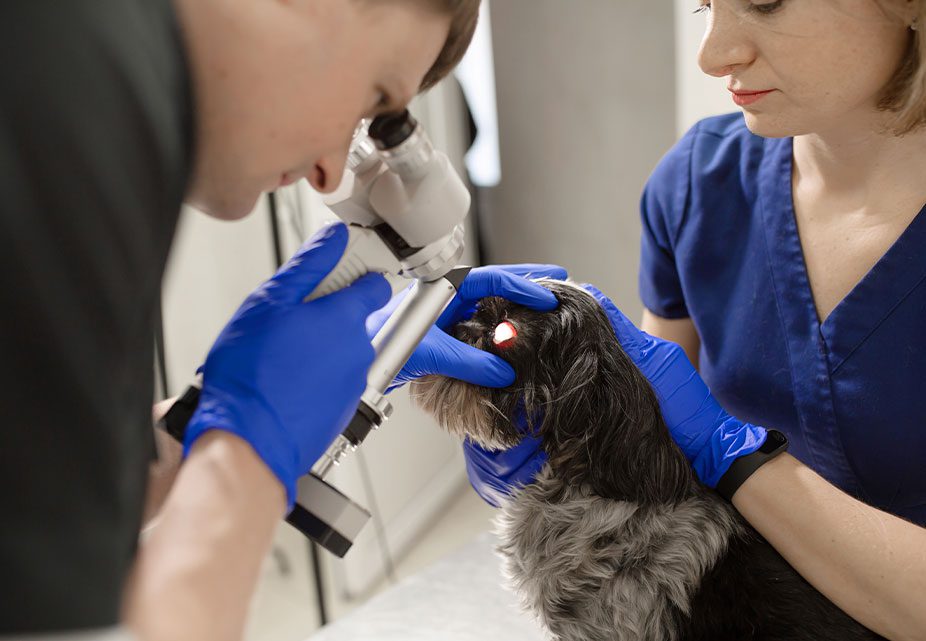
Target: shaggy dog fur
x=617 y=539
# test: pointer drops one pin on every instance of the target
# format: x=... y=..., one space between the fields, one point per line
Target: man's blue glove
x=710 y=438
x=440 y=353
x=284 y=375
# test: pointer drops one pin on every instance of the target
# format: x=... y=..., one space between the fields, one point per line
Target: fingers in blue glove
x=535 y=270
x=506 y=281
x=308 y=267
x=286 y=375
x=364 y=296
x=495 y=475
x=442 y=354
x=512 y=282
x=628 y=335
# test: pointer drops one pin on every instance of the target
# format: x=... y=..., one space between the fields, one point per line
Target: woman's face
x=819 y=65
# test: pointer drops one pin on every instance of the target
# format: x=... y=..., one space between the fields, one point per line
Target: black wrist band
x=743 y=467
x=180 y=413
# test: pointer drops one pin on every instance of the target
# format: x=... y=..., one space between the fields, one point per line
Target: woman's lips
x=745 y=98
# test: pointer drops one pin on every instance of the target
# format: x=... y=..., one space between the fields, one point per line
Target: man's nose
x=328 y=172
x=726 y=44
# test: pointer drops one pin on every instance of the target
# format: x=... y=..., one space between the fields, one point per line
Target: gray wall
x=586 y=100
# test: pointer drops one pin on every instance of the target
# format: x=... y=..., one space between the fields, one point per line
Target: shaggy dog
x=616 y=539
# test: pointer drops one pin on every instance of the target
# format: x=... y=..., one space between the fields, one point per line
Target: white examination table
x=459 y=598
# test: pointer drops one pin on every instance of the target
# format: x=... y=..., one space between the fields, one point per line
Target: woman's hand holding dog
x=709 y=437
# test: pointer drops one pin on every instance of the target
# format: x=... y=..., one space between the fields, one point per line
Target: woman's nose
x=726 y=44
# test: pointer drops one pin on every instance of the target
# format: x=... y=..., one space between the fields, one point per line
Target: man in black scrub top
x=112 y=112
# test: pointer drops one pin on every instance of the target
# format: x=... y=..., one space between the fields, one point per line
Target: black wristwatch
x=743 y=467
x=180 y=413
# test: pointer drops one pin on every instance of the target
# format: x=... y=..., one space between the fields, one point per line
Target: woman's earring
x=914 y=25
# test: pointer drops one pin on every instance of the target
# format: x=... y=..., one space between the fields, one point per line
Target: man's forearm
x=869 y=563
x=197 y=569
x=163 y=472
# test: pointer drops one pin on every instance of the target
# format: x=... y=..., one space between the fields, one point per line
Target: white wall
x=697 y=94
x=586 y=98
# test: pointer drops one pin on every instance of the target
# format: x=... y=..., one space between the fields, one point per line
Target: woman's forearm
x=869 y=563
x=197 y=569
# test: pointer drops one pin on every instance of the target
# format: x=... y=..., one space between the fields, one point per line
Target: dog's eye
x=505 y=334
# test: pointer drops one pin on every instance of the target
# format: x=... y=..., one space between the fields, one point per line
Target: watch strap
x=180 y=413
x=744 y=467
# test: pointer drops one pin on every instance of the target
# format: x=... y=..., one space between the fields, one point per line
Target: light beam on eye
x=505 y=334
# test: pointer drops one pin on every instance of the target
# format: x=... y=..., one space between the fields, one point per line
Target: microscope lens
x=391 y=130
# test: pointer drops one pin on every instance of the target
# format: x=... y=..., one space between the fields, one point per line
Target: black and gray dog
x=617 y=539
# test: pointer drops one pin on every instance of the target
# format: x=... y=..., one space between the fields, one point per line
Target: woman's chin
x=770 y=125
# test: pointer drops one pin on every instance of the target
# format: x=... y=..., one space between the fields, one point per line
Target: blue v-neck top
x=720 y=245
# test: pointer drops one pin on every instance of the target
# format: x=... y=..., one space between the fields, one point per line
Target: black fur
x=601 y=427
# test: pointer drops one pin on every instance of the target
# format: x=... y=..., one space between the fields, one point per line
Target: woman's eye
x=766 y=7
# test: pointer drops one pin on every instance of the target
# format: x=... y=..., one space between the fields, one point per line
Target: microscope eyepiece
x=391 y=130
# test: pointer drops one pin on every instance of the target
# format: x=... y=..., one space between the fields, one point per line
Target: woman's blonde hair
x=905 y=95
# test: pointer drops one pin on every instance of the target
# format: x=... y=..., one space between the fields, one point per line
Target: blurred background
x=557 y=116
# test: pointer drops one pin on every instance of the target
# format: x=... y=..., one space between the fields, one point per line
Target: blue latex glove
x=284 y=375
x=440 y=353
x=710 y=438
x=495 y=475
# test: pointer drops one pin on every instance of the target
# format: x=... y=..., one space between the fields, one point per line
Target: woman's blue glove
x=440 y=353
x=710 y=438
x=284 y=375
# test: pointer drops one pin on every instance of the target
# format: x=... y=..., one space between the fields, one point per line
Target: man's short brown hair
x=464 y=16
x=905 y=95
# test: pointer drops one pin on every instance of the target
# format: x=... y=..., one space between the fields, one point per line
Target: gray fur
x=593 y=569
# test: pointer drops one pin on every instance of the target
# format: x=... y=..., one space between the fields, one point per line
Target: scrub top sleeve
x=662 y=211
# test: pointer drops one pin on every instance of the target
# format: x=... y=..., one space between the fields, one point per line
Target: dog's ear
x=604 y=427
x=644 y=463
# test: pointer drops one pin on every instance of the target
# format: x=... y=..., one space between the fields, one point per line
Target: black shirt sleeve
x=95 y=135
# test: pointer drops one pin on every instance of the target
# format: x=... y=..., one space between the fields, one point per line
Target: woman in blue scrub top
x=785 y=251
